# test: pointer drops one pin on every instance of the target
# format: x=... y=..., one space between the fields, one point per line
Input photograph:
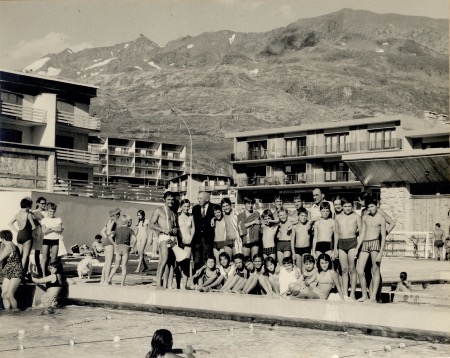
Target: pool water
x=93 y=331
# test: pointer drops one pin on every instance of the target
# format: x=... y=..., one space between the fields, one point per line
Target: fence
x=418 y=244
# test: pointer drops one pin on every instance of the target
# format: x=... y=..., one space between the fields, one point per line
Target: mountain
x=344 y=65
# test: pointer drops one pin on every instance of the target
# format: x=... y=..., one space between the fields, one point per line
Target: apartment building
x=44 y=131
x=136 y=162
x=188 y=187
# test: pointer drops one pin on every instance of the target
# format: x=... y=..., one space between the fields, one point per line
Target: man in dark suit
x=203 y=241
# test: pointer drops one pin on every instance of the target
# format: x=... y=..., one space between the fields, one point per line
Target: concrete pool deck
x=403 y=320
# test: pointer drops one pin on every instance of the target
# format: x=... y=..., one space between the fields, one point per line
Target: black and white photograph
x=224 y=178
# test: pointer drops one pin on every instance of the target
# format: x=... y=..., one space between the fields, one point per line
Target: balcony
x=299 y=178
x=171 y=155
x=77 y=156
x=177 y=188
x=165 y=167
x=16 y=111
x=146 y=154
x=97 y=149
x=78 y=120
x=214 y=187
x=318 y=150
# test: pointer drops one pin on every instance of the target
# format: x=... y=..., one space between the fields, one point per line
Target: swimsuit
x=25 y=234
x=269 y=251
x=231 y=271
x=302 y=250
x=323 y=246
x=13 y=267
x=185 y=223
x=437 y=243
x=284 y=246
x=347 y=244
x=107 y=242
x=249 y=245
x=325 y=279
x=242 y=273
x=371 y=245
x=164 y=237
x=218 y=245
x=142 y=232
x=54 y=284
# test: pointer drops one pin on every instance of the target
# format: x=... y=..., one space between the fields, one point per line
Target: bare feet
x=362 y=299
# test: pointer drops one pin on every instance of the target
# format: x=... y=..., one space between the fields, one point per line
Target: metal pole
x=190 y=159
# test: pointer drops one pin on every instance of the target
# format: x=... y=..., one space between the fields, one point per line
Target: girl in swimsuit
x=26 y=225
x=269 y=280
x=226 y=269
x=186 y=225
x=108 y=243
x=53 y=282
x=12 y=270
x=207 y=274
x=256 y=269
x=141 y=239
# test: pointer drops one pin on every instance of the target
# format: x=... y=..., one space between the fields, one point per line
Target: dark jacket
x=204 y=232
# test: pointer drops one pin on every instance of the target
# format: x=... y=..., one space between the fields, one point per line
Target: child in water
x=403 y=285
x=54 y=283
x=162 y=343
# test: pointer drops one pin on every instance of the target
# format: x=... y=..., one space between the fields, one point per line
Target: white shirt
x=51 y=222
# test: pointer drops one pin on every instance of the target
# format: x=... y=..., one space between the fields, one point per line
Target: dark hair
x=325 y=205
x=248 y=259
x=337 y=197
x=287 y=260
x=258 y=255
x=185 y=201
x=142 y=213
x=438 y=225
x=26 y=203
x=6 y=235
x=168 y=193
x=268 y=213
x=225 y=201
x=325 y=257
x=238 y=256
x=98 y=236
x=217 y=208
x=161 y=343
x=248 y=200
x=345 y=201
x=277 y=197
x=40 y=198
x=271 y=260
x=403 y=276
x=58 y=266
x=225 y=254
x=298 y=197
x=308 y=258
x=51 y=206
x=369 y=201
x=302 y=210
x=211 y=257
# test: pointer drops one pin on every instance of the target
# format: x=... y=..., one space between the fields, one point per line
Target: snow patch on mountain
x=101 y=63
x=37 y=64
x=51 y=71
x=231 y=39
x=126 y=45
x=190 y=46
x=151 y=63
x=139 y=68
x=254 y=72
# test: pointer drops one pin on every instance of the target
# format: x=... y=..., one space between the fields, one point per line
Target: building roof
x=318 y=126
x=200 y=175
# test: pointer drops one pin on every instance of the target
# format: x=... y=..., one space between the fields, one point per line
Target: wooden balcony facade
x=78 y=120
x=32 y=116
x=76 y=156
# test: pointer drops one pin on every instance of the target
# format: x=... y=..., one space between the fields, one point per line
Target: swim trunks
x=302 y=250
x=184 y=266
x=25 y=234
x=13 y=267
x=437 y=243
x=251 y=244
x=218 y=245
x=371 y=245
x=347 y=244
x=122 y=249
x=50 y=243
x=163 y=237
x=229 y=243
x=284 y=246
x=323 y=246
x=269 y=251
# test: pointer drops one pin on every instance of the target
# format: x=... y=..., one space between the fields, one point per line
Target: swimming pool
x=93 y=331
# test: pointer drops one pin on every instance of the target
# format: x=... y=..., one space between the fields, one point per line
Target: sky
x=32 y=29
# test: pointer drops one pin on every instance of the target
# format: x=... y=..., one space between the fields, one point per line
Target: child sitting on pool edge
x=54 y=283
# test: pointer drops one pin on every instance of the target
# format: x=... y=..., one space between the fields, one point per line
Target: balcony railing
x=24 y=113
x=179 y=169
x=147 y=154
x=97 y=149
x=299 y=178
x=172 y=155
x=214 y=187
x=177 y=188
x=109 y=191
x=350 y=147
x=77 y=156
x=78 y=120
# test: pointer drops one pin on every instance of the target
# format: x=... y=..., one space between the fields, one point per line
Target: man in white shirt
x=318 y=198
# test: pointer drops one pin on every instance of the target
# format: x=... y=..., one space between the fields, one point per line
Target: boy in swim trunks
x=284 y=237
x=438 y=234
x=373 y=226
x=269 y=231
x=348 y=225
x=220 y=243
x=300 y=244
x=323 y=232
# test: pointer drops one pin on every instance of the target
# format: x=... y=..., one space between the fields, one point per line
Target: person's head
x=337 y=203
x=51 y=209
x=302 y=215
x=278 y=202
x=325 y=209
x=249 y=265
x=298 y=202
x=438 y=226
x=6 y=235
x=115 y=214
x=185 y=205
x=56 y=267
x=372 y=206
x=283 y=215
x=267 y=215
x=309 y=262
x=347 y=206
x=318 y=196
x=26 y=203
x=162 y=343
x=248 y=203
x=403 y=276
x=217 y=212
x=126 y=220
x=169 y=198
x=238 y=260
x=324 y=262
x=211 y=262
x=226 y=205
x=203 y=198
x=258 y=261
x=98 y=238
x=224 y=259
x=41 y=203
x=141 y=215
x=270 y=263
x=287 y=263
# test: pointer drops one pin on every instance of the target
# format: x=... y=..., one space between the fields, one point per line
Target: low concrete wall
x=82 y=217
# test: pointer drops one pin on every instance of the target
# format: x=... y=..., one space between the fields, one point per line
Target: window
x=336 y=172
x=382 y=139
x=257 y=149
x=11 y=98
x=336 y=143
x=62 y=141
x=295 y=147
x=10 y=135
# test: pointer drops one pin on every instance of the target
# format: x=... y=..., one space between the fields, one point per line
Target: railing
x=147 y=154
x=109 y=191
x=77 y=156
x=97 y=149
x=24 y=113
x=259 y=154
x=172 y=155
x=180 y=169
x=214 y=187
x=78 y=120
x=417 y=244
x=177 y=188
x=147 y=165
x=126 y=151
x=299 y=178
